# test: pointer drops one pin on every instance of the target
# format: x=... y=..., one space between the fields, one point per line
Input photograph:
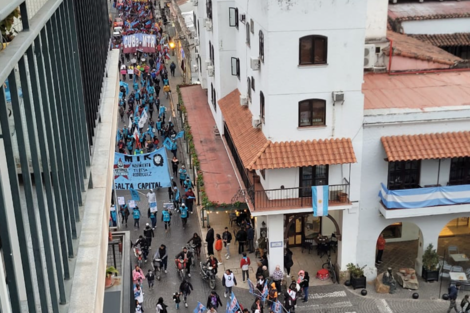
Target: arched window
x=312 y=112
x=261 y=46
x=313 y=50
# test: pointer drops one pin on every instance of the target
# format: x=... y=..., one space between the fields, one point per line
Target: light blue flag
x=277 y=307
x=200 y=308
x=118 y=135
x=320 y=200
x=135 y=195
x=180 y=134
x=232 y=305
x=177 y=196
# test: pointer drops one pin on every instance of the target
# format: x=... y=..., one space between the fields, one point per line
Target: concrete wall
x=376 y=23
x=371 y=223
x=439 y=26
x=408 y=64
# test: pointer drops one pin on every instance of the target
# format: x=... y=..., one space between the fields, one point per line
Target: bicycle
x=330 y=267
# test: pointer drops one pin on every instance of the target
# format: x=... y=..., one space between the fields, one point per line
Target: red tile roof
x=409 y=47
x=429 y=10
x=257 y=152
x=383 y=91
x=445 y=40
x=427 y=146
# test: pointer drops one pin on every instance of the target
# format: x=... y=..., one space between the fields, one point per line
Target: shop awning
x=427 y=146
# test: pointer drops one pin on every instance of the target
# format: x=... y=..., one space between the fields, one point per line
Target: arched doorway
x=403 y=244
x=302 y=227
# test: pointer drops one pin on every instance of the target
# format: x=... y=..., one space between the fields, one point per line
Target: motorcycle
x=208 y=274
x=192 y=250
x=157 y=267
x=181 y=267
x=139 y=256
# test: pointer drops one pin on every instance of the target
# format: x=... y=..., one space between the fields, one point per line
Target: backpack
x=164 y=306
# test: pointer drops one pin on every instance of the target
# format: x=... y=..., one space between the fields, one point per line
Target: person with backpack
x=185 y=290
x=124 y=210
x=161 y=307
x=228 y=281
x=465 y=304
x=453 y=294
x=213 y=301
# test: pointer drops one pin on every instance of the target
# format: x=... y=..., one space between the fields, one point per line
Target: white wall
x=275 y=225
x=371 y=223
x=442 y=26
x=376 y=23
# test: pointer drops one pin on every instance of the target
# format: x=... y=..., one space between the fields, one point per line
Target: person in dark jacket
x=257 y=305
x=227 y=238
x=213 y=301
x=304 y=284
x=149 y=234
x=453 y=293
x=210 y=240
x=163 y=256
x=250 y=236
x=241 y=238
x=288 y=263
x=185 y=290
x=197 y=241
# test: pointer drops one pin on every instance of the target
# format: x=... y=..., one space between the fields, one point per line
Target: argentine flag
x=320 y=200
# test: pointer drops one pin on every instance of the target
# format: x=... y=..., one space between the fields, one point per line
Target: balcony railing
x=297 y=197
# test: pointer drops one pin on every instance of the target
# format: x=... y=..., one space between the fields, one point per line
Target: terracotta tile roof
x=429 y=11
x=445 y=40
x=257 y=152
x=409 y=47
x=383 y=91
x=427 y=146
x=305 y=153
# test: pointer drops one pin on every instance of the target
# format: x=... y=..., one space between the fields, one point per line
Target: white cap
x=147 y=224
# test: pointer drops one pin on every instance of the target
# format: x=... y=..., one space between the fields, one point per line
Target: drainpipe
x=390 y=56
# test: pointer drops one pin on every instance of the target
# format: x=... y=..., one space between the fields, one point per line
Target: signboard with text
x=143 y=42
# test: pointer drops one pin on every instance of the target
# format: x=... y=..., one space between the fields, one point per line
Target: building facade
x=48 y=136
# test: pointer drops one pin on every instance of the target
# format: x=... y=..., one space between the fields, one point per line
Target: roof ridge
x=258 y=155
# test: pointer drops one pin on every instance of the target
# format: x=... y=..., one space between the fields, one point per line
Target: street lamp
x=172 y=45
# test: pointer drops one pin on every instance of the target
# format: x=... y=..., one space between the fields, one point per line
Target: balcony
x=435 y=200
x=296 y=198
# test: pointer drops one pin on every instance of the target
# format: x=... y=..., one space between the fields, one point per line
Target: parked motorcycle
x=139 y=256
x=157 y=267
x=208 y=274
x=181 y=267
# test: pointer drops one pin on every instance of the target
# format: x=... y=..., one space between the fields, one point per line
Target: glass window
x=252 y=83
x=261 y=105
x=313 y=50
x=459 y=171
x=312 y=176
x=404 y=174
x=209 y=9
x=312 y=112
x=248 y=34
x=236 y=67
x=312 y=226
x=233 y=17
x=261 y=46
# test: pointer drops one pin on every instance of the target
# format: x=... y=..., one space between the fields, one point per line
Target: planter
x=109 y=281
x=343 y=197
x=359 y=282
x=430 y=275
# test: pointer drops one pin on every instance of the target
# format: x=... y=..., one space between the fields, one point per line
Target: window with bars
x=459 y=171
x=404 y=174
x=312 y=112
x=261 y=46
x=313 y=50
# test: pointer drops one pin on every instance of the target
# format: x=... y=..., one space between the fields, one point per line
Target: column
x=347 y=246
x=4 y=296
x=276 y=241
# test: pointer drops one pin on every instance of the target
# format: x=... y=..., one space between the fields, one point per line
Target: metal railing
x=298 y=197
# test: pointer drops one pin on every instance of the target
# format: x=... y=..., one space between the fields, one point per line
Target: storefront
x=304 y=229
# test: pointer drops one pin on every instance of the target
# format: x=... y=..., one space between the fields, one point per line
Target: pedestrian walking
x=162 y=255
x=177 y=300
x=161 y=307
x=150 y=278
x=153 y=218
x=250 y=236
x=167 y=91
x=174 y=165
x=149 y=234
x=380 y=249
x=245 y=263
x=453 y=292
x=172 y=68
x=137 y=275
x=303 y=281
x=184 y=214
x=228 y=281
x=257 y=306
x=227 y=238
x=185 y=290
x=123 y=71
x=166 y=218
x=288 y=263
x=136 y=216
x=139 y=294
x=182 y=174
x=138 y=307
x=218 y=247
x=278 y=275
x=213 y=300
x=210 y=240
x=241 y=238
x=124 y=213
x=465 y=304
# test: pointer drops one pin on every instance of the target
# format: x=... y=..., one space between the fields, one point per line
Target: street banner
x=142 y=42
x=132 y=204
x=143 y=119
x=121 y=201
x=200 y=308
x=232 y=306
x=142 y=171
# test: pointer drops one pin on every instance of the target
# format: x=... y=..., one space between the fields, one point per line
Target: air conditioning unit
x=210 y=71
x=255 y=122
x=194 y=2
x=338 y=96
x=208 y=63
x=242 y=18
x=208 y=24
x=195 y=69
x=196 y=41
x=370 y=57
x=243 y=100
x=254 y=63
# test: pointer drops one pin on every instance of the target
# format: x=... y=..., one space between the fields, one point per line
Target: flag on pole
x=277 y=307
x=264 y=293
x=200 y=308
x=134 y=194
x=180 y=134
x=136 y=137
x=320 y=200
x=118 y=135
x=232 y=306
x=143 y=119
x=251 y=286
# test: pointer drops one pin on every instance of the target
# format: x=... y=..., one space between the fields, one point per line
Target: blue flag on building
x=233 y=305
x=320 y=200
x=135 y=195
x=200 y=308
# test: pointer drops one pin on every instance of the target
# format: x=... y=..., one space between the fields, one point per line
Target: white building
x=285 y=86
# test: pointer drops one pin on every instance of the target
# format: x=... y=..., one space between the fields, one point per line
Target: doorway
x=305 y=227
